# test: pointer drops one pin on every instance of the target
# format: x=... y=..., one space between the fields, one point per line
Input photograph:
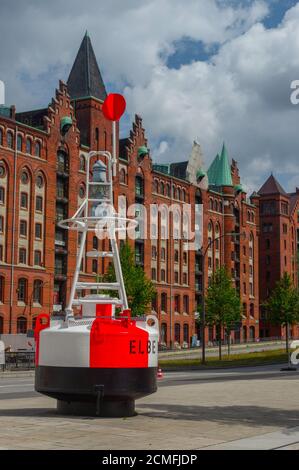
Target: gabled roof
x=85 y=79
x=271 y=186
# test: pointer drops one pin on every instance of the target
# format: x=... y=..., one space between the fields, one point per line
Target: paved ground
x=241 y=408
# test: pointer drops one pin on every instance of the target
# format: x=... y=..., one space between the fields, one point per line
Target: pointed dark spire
x=85 y=78
x=271 y=186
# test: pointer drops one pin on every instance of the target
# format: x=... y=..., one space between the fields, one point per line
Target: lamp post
x=203 y=309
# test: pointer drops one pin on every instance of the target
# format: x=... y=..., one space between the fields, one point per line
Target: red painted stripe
x=42 y=322
x=118 y=343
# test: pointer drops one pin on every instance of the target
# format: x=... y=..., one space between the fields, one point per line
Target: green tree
x=283 y=305
x=223 y=308
x=140 y=290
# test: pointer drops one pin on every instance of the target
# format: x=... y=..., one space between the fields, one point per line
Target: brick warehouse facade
x=42 y=173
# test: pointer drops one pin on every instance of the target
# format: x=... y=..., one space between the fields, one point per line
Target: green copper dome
x=142 y=151
x=239 y=188
x=200 y=174
x=219 y=172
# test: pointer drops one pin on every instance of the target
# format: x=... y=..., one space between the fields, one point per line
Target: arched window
x=176 y=256
x=22 y=290
x=1 y=326
x=62 y=161
x=252 y=310
x=177 y=333
x=186 y=333
x=95 y=243
x=211 y=204
x=9 y=137
x=163 y=337
x=28 y=146
x=2 y=289
x=37 y=149
x=164 y=302
x=168 y=190
x=39 y=181
x=186 y=303
x=177 y=303
x=22 y=325
x=156 y=186
x=122 y=176
x=245 y=309
x=37 y=291
x=82 y=163
x=19 y=143
x=162 y=188
x=178 y=193
x=139 y=187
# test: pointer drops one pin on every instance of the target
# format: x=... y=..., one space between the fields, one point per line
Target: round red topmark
x=114 y=106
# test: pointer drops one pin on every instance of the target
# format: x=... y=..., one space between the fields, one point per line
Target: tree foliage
x=223 y=308
x=283 y=305
x=140 y=290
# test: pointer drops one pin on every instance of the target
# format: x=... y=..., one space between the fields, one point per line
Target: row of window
x=177 y=333
x=159 y=187
x=163 y=255
x=23 y=257
x=31 y=147
x=163 y=276
x=24 y=228
x=22 y=291
x=165 y=304
x=22 y=325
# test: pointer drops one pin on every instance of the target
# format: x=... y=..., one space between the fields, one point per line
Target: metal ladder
x=85 y=221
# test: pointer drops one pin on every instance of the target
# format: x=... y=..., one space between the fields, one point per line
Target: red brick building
x=278 y=247
x=42 y=172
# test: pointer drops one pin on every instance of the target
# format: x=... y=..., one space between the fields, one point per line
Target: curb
x=211 y=368
x=12 y=374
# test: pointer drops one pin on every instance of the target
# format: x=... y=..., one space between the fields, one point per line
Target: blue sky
x=210 y=70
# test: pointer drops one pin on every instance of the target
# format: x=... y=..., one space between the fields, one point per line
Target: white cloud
x=240 y=96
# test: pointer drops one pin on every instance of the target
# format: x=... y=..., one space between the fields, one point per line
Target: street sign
x=2 y=353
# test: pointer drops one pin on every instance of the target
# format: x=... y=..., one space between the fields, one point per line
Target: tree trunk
x=228 y=343
x=219 y=339
x=287 y=339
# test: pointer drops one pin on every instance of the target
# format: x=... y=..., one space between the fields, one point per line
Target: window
x=244 y=288
x=1 y=252
x=162 y=188
x=94 y=266
x=37 y=291
x=1 y=224
x=28 y=146
x=163 y=252
x=284 y=208
x=21 y=325
x=2 y=195
x=22 y=290
x=37 y=258
x=284 y=228
x=37 y=149
x=39 y=181
x=163 y=336
x=1 y=136
x=139 y=189
x=95 y=243
x=24 y=177
x=24 y=200
x=1 y=326
x=186 y=333
x=9 y=139
x=177 y=303
x=164 y=302
x=23 y=228
x=122 y=176
x=168 y=190
x=185 y=278
x=22 y=255
x=185 y=257
x=19 y=143
x=154 y=274
x=186 y=303
x=251 y=288
x=154 y=252
x=268 y=260
x=39 y=204
x=267 y=227
x=176 y=277
x=38 y=230
x=2 y=171
x=163 y=275
x=177 y=332
x=82 y=191
x=176 y=256
x=82 y=163
x=267 y=244
x=62 y=161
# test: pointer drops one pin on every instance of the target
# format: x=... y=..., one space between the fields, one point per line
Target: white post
x=114 y=147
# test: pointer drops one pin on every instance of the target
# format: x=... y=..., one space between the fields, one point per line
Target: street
x=246 y=408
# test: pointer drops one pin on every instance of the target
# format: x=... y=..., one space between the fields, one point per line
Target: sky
x=205 y=70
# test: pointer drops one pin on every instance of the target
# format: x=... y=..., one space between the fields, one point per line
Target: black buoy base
x=289 y=368
x=107 y=408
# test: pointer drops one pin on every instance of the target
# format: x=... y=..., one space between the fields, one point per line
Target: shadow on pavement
x=246 y=415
